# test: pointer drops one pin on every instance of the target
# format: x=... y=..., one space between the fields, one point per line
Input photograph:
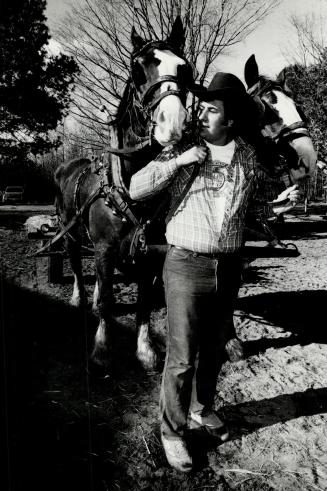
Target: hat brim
x=204 y=94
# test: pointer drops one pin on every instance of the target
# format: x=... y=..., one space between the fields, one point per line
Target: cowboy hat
x=223 y=86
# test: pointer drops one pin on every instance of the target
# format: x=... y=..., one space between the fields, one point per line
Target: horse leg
x=103 y=302
x=145 y=350
x=73 y=248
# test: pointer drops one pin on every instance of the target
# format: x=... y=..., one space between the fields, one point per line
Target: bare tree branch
x=97 y=34
x=310 y=38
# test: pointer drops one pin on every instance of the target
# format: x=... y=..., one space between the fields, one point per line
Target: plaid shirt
x=210 y=218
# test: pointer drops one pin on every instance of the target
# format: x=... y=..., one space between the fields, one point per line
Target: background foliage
x=35 y=87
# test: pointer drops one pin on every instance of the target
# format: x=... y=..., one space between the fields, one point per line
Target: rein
x=93 y=197
x=153 y=87
x=128 y=150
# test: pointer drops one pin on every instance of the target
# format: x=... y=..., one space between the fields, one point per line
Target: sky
x=268 y=42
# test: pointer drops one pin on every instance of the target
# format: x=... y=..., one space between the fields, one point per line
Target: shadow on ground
x=54 y=435
x=304 y=228
x=249 y=417
x=302 y=313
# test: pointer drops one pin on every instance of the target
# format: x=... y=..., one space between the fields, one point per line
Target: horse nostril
x=161 y=117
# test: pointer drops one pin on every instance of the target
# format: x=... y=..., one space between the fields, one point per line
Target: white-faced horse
x=282 y=121
x=151 y=115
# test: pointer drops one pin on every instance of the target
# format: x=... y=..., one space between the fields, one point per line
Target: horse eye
x=150 y=60
x=270 y=115
x=185 y=73
x=138 y=75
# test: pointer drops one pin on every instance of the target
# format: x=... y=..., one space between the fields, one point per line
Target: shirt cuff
x=172 y=166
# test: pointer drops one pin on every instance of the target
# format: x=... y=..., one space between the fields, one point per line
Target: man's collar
x=238 y=140
x=240 y=146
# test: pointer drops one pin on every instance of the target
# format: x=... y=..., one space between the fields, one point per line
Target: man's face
x=213 y=126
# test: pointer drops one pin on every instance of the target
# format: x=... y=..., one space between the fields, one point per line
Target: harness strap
x=195 y=172
x=93 y=197
x=287 y=132
x=78 y=184
x=151 y=106
x=115 y=198
x=128 y=150
x=157 y=83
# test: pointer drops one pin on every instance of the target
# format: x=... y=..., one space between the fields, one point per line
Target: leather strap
x=128 y=150
x=93 y=196
x=195 y=172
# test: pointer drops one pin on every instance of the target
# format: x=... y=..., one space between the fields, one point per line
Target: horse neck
x=132 y=123
x=132 y=129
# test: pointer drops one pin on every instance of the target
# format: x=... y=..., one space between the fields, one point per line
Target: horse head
x=160 y=76
x=282 y=120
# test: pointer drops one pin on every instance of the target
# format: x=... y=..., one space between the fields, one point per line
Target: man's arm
x=158 y=174
x=154 y=177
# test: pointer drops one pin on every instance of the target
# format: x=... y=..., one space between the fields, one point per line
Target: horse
x=150 y=116
x=282 y=122
x=285 y=145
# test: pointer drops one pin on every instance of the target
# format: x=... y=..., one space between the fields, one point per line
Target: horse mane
x=129 y=116
x=125 y=101
x=273 y=84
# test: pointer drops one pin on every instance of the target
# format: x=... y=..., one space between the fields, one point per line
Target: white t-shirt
x=222 y=153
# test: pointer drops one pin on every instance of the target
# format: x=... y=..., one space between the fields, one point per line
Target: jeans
x=200 y=296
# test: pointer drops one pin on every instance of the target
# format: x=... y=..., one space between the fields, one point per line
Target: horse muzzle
x=306 y=158
x=170 y=121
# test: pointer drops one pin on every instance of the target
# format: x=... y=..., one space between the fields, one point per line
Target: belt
x=208 y=255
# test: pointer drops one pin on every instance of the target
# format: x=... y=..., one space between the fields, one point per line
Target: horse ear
x=177 y=35
x=251 y=72
x=137 y=41
x=281 y=80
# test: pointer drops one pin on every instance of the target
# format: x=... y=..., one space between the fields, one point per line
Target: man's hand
x=194 y=155
x=286 y=200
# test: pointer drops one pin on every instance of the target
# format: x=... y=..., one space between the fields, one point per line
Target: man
x=203 y=264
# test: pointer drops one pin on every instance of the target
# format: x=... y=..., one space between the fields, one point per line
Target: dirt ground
x=64 y=429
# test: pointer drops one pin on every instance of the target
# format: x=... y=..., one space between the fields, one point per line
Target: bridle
x=146 y=102
x=286 y=133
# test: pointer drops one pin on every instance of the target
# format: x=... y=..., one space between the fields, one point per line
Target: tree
x=97 y=34
x=310 y=36
x=34 y=86
x=309 y=86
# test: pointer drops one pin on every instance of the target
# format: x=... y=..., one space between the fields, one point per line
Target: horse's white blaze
x=168 y=65
x=171 y=113
x=286 y=108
